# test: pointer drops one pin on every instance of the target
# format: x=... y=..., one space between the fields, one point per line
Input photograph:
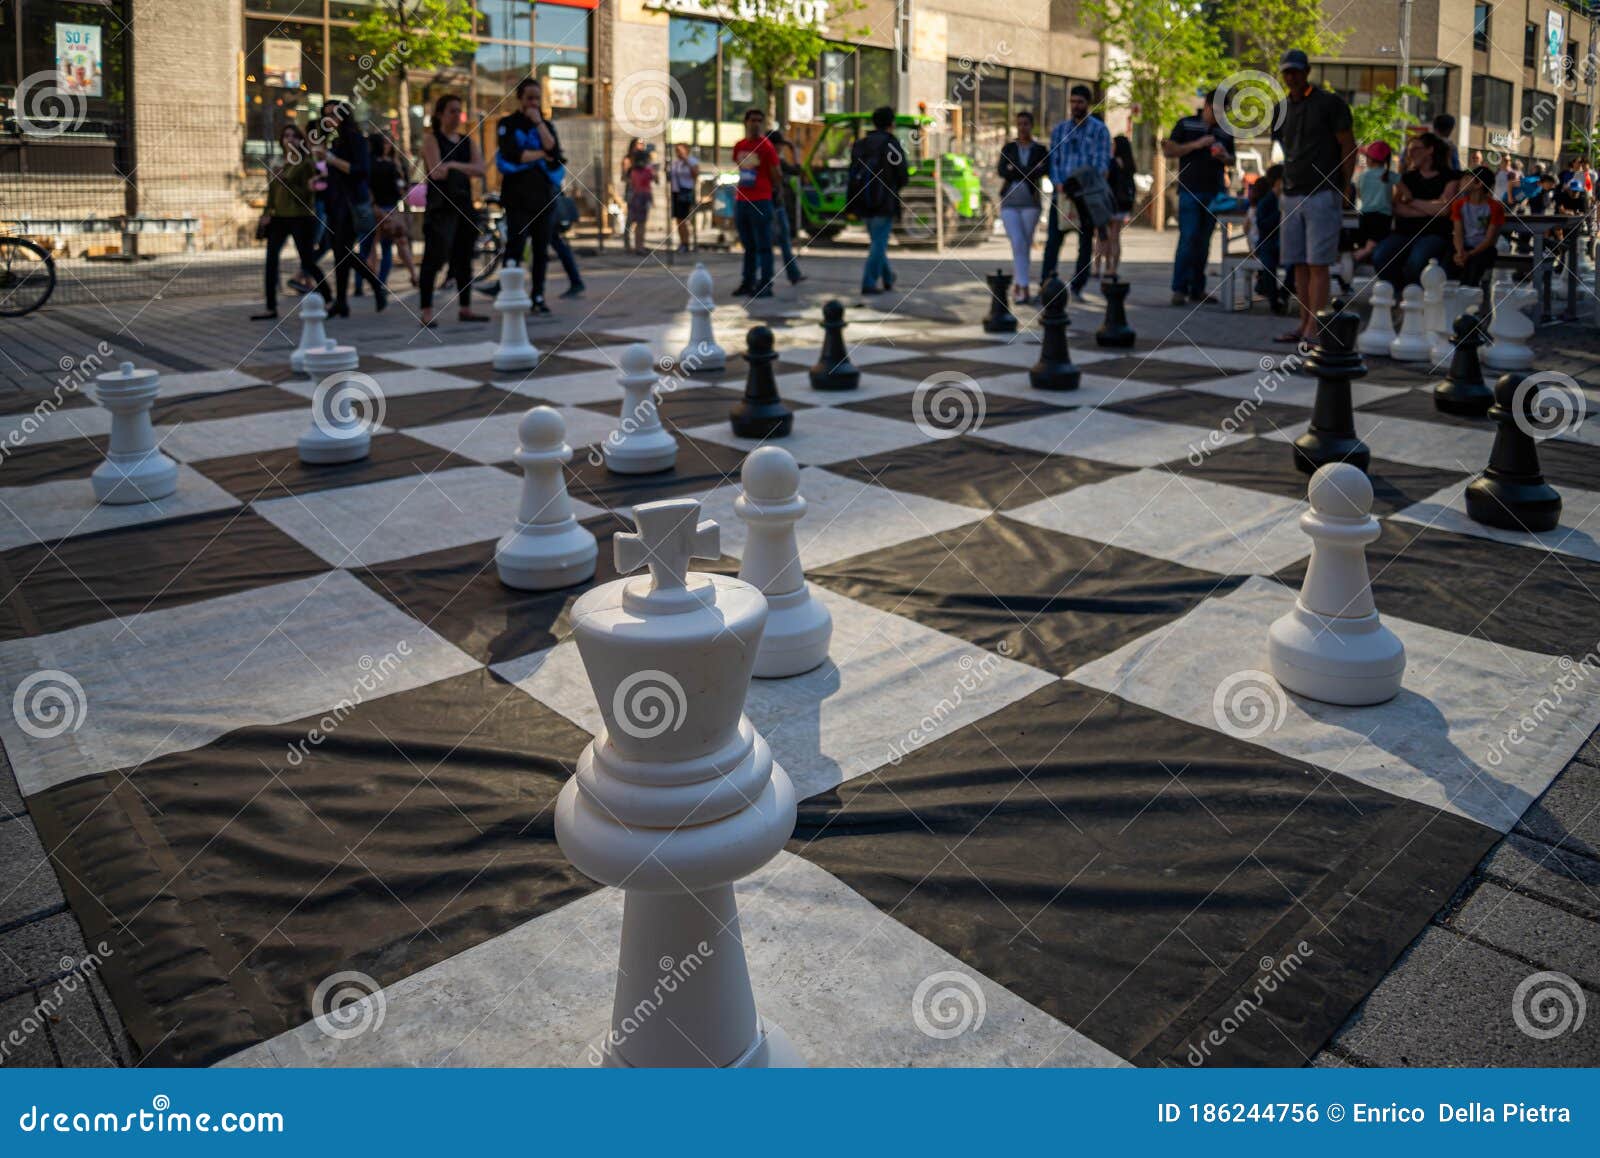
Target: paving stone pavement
x=1532 y=905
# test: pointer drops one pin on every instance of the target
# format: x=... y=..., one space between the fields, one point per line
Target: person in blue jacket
x=527 y=151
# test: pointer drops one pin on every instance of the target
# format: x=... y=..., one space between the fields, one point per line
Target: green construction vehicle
x=819 y=189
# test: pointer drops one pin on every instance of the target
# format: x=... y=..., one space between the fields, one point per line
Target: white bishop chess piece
x=313 y=334
x=514 y=351
x=548 y=548
x=639 y=444
x=702 y=354
x=677 y=797
x=1374 y=340
x=1332 y=646
x=1413 y=343
x=1509 y=329
x=135 y=469
x=799 y=627
x=340 y=425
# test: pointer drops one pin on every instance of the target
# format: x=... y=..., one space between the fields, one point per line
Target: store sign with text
x=812 y=12
x=78 y=59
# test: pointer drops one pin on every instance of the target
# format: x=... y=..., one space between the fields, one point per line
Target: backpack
x=877 y=173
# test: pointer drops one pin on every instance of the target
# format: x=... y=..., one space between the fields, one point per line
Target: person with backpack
x=878 y=171
x=757 y=163
x=528 y=155
x=1375 y=199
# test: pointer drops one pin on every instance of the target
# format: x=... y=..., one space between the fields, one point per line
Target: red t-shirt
x=755 y=184
x=1476 y=219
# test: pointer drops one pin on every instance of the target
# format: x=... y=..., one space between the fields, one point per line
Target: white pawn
x=1509 y=330
x=1413 y=343
x=798 y=626
x=514 y=352
x=640 y=444
x=1433 y=279
x=1374 y=340
x=135 y=469
x=702 y=354
x=313 y=335
x=341 y=405
x=1332 y=647
x=548 y=548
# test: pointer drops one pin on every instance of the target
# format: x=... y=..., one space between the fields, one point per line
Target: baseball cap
x=1378 y=152
x=1294 y=58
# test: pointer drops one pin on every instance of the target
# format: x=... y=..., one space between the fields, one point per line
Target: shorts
x=682 y=205
x=1310 y=229
x=639 y=207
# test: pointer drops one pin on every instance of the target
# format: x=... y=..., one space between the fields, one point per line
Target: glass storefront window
x=270 y=100
x=99 y=76
x=1054 y=109
x=877 y=78
x=834 y=75
x=286 y=7
x=505 y=19
x=354 y=76
x=558 y=24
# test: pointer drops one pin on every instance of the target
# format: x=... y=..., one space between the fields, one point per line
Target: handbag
x=417 y=196
x=263 y=226
x=566 y=212
x=1090 y=187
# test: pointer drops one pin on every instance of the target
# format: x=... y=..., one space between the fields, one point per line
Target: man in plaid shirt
x=1075 y=143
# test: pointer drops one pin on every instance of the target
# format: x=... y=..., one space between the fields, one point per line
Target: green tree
x=402 y=35
x=1165 y=53
x=1266 y=29
x=776 y=40
x=1384 y=117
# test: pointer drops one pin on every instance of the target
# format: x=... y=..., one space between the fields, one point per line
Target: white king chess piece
x=677 y=797
x=313 y=334
x=639 y=444
x=1332 y=646
x=702 y=354
x=1374 y=340
x=1509 y=329
x=1413 y=343
x=798 y=631
x=514 y=352
x=548 y=548
x=342 y=407
x=135 y=469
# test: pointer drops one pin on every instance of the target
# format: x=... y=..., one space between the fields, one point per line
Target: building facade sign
x=812 y=12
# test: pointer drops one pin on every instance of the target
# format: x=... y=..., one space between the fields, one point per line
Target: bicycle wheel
x=27 y=277
x=488 y=254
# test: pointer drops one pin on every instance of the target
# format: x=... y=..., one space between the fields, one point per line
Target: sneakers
x=1180 y=299
x=869 y=290
x=797 y=279
x=538 y=307
x=741 y=290
x=573 y=292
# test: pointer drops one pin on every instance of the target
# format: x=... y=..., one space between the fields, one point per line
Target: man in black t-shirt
x=526 y=150
x=1203 y=150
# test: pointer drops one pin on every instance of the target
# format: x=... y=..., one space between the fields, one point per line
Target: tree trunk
x=405 y=112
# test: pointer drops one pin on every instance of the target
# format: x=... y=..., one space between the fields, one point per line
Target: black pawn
x=1054 y=369
x=1464 y=392
x=1115 y=331
x=1512 y=493
x=762 y=413
x=1000 y=319
x=1334 y=363
x=833 y=370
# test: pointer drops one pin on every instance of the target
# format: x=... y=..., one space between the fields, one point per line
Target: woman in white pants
x=1024 y=163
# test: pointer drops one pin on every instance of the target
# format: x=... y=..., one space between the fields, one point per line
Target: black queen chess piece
x=1512 y=494
x=1054 y=369
x=1115 y=331
x=1000 y=319
x=1335 y=364
x=833 y=370
x=1463 y=391
x=761 y=414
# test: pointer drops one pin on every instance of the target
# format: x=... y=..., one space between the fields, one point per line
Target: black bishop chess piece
x=1000 y=319
x=1115 y=331
x=762 y=413
x=1054 y=369
x=1512 y=494
x=833 y=370
x=1464 y=391
x=1335 y=363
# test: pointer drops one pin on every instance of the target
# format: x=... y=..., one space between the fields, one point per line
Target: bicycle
x=27 y=276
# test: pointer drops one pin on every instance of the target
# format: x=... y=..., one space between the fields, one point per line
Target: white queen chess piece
x=639 y=444
x=1509 y=329
x=1374 y=340
x=342 y=406
x=799 y=627
x=677 y=797
x=135 y=469
x=1332 y=646
x=313 y=334
x=514 y=351
x=548 y=548
x=1413 y=343
x=702 y=354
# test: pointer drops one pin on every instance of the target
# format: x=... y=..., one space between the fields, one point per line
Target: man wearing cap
x=1080 y=142
x=1319 y=157
x=1203 y=150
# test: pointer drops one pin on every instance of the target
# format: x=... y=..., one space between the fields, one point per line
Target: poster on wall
x=78 y=59
x=1555 y=43
x=741 y=81
x=280 y=62
x=561 y=85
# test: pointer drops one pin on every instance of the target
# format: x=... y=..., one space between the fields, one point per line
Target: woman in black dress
x=451 y=159
x=349 y=204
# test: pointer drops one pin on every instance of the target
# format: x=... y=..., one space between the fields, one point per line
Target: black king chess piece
x=1334 y=363
x=833 y=370
x=1464 y=391
x=1000 y=319
x=761 y=414
x=1054 y=369
x=1115 y=331
x=1512 y=494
